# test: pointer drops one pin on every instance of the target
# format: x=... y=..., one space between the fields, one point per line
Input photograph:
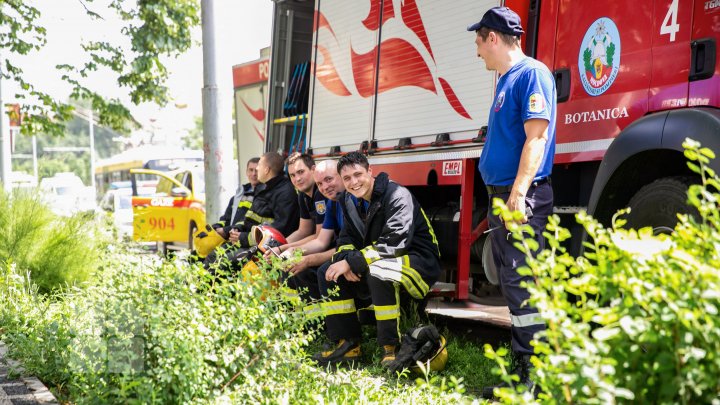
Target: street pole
x=5 y=165
x=91 y=128
x=217 y=141
x=35 y=162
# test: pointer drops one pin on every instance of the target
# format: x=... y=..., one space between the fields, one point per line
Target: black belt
x=506 y=189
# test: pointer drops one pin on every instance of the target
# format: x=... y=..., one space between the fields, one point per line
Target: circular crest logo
x=599 y=58
x=499 y=101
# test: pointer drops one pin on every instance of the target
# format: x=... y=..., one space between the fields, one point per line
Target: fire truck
x=400 y=80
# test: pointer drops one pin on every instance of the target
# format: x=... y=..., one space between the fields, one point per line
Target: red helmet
x=267 y=237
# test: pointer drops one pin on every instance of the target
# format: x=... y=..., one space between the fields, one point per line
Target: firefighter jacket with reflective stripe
x=236 y=209
x=394 y=226
x=275 y=204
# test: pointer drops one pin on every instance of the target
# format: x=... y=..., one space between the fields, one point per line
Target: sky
x=243 y=28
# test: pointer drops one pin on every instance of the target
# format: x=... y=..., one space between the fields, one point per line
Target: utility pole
x=5 y=165
x=217 y=141
x=34 y=158
x=91 y=129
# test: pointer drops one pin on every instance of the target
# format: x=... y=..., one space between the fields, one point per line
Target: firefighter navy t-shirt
x=312 y=208
x=334 y=216
x=524 y=92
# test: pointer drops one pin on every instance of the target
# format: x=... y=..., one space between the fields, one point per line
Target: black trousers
x=305 y=283
x=526 y=321
x=227 y=257
x=381 y=288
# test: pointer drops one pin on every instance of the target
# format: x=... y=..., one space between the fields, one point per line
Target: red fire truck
x=401 y=81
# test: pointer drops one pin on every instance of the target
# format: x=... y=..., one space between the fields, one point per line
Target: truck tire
x=193 y=229
x=163 y=248
x=658 y=203
x=488 y=264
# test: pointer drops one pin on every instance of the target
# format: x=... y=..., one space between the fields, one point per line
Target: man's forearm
x=317 y=259
x=530 y=160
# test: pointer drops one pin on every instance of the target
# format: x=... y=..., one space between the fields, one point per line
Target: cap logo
x=599 y=56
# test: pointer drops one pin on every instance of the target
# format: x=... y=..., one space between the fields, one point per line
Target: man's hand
x=516 y=202
x=288 y=253
x=221 y=232
x=341 y=268
x=275 y=252
x=234 y=236
x=298 y=267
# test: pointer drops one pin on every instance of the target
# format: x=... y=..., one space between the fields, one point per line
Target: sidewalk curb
x=36 y=389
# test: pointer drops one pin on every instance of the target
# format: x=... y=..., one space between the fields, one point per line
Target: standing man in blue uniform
x=516 y=162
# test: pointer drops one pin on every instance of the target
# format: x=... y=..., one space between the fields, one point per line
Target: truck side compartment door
x=606 y=51
x=704 y=58
x=670 y=54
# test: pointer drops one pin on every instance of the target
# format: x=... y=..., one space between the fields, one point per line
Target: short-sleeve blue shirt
x=524 y=92
x=334 y=215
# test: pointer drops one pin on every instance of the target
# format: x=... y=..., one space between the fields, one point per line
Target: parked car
x=118 y=202
x=66 y=194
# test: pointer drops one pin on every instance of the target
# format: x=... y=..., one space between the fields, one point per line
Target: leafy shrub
x=152 y=331
x=635 y=318
x=58 y=251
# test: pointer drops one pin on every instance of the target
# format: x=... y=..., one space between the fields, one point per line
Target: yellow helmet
x=206 y=240
x=437 y=361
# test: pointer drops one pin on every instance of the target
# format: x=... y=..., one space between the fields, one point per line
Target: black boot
x=522 y=369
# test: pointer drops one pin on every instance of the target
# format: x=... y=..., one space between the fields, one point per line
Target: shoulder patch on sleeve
x=320 y=207
x=536 y=103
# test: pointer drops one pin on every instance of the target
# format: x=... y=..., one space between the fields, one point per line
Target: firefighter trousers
x=381 y=288
x=227 y=258
x=525 y=320
x=302 y=289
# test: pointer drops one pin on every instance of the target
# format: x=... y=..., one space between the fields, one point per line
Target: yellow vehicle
x=174 y=212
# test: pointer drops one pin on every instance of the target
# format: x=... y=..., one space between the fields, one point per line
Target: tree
x=193 y=139
x=155 y=28
x=76 y=134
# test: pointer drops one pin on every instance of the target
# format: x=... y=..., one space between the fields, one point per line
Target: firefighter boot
x=522 y=369
x=389 y=355
x=342 y=351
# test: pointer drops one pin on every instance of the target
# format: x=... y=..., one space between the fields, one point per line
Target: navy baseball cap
x=500 y=19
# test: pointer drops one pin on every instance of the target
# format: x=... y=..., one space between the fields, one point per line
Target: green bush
x=635 y=318
x=152 y=331
x=58 y=251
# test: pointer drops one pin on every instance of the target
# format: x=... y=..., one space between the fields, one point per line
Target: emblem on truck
x=403 y=63
x=599 y=56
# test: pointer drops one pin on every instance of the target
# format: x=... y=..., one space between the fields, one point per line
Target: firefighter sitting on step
x=274 y=204
x=386 y=246
x=302 y=275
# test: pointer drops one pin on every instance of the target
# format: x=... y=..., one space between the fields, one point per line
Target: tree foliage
x=193 y=139
x=155 y=29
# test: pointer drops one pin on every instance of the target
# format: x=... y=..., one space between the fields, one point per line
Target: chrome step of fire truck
x=490 y=309
x=571 y=209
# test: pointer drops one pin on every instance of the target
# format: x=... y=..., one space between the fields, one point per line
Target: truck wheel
x=193 y=229
x=162 y=248
x=658 y=203
x=488 y=264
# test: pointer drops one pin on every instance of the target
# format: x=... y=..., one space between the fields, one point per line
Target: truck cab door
x=161 y=216
x=704 y=59
x=601 y=67
x=670 y=54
